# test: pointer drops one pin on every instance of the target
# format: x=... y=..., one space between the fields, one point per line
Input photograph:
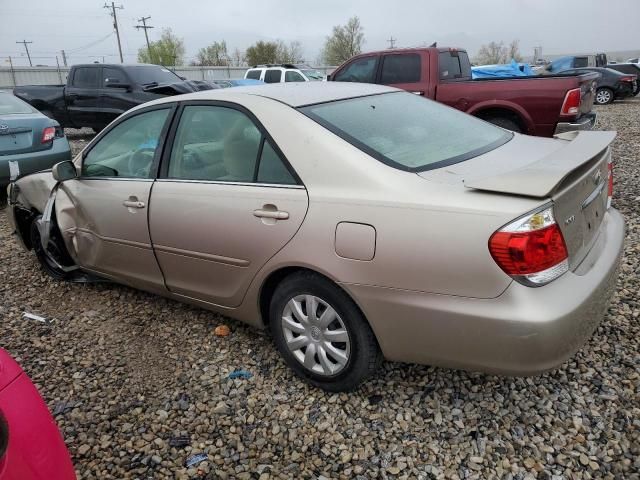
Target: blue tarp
x=513 y=69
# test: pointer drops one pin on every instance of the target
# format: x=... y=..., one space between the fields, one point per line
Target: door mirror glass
x=64 y=171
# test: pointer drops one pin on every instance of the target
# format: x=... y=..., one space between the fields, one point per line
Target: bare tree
x=514 y=51
x=291 y=53
x=238 y=58
x=345 y=42
x=496 y=52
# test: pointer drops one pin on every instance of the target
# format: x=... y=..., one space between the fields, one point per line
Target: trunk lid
x=570 y=170
x=22 y=133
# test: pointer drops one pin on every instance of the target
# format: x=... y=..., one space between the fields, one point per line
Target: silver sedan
x=355 y=222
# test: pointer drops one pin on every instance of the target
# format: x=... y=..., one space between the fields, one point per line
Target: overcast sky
x=84 y=29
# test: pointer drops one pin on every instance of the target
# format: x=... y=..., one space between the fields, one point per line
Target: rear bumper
x=586 y=122
x=524 y=331
x=35 y=161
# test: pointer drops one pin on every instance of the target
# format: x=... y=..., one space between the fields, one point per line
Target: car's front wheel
x=56 y=254
x=322 y=334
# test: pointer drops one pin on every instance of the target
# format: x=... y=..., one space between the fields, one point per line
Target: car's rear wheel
x=56 y=254
x=604 y=96
x=321 y=333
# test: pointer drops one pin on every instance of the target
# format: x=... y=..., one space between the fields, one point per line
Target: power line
x=145 y=27
x=24 y=42
x=115 y=25
x=392 y=42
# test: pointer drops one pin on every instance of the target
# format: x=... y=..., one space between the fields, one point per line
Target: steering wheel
x=140 y=162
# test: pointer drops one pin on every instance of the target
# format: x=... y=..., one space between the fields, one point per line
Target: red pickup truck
x=535 y=105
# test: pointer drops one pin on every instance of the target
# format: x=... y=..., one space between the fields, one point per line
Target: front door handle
x=274 y=214
x=133 y=204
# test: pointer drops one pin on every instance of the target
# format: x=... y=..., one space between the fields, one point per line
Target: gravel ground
x=139 y=384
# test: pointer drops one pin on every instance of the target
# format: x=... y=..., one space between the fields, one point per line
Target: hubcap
x=603 y=96
x=316 y=335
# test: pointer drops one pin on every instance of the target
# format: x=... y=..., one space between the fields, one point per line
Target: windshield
x=312 y=74
x=407 y=131
x=149 y=74
x=10 y=105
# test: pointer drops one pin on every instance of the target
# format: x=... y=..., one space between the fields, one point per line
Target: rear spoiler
x=541 y=178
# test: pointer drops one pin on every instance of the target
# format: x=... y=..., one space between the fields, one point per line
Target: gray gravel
x=139 y=385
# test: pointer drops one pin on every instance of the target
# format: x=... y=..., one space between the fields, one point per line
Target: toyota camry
x=356 y=222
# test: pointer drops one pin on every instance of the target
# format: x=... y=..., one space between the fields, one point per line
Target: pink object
x=35 y=449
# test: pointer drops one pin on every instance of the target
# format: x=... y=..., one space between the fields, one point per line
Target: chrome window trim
x=243 y=184
x=121 y=179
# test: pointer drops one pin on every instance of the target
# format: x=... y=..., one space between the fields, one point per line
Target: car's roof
x=294 y=94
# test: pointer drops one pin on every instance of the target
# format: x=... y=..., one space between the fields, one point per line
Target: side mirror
x=118 y=85
x=64 y=171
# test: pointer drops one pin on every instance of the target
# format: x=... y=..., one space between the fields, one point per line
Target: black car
x=631 y=69
x=612 y=85
x=95 y=94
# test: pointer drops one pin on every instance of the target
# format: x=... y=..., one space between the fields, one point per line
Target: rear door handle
x=275 y=214
x=133 y=204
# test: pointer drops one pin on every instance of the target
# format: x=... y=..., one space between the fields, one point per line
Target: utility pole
x=115 y=24
x=145 y=27
x=392 y=42
x=64 y=57
x=24 y=42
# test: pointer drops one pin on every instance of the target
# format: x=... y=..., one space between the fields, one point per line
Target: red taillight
x=48 y=134
x=610 y=174
x=531 y=249
x=571 y=104
x=632 y=78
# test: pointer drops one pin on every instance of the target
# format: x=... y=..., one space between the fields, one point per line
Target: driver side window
x=362 y=70
x=127 y=150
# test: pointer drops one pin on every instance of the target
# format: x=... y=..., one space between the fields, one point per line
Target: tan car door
x=226 y=203
x=108 y=231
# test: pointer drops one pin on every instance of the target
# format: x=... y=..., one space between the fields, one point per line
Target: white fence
x=17 y=76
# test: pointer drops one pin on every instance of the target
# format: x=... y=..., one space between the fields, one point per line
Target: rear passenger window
x=253 y=74
x=362 y=70
x=272 y=76
x=449 y=66
x=86 y=77
x=401 y=68
x=271 y=169
x=222 y=144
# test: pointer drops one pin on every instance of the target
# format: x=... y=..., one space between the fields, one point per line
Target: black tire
x=505 y=123
x=56 y=245
x=364 y=356
x=3 y=197
x=604 y=96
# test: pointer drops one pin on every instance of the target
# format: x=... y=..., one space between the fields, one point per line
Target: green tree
x=262 y=52
x=169 y=50
x=214 y=55
x=345 y=42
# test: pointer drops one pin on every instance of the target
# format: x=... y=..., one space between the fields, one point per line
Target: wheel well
x=502 y=113
x=273 y=280
x=24 y=218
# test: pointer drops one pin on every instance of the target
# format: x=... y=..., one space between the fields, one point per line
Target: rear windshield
x=10 y=105
x=148 y=74
x=408 y=132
